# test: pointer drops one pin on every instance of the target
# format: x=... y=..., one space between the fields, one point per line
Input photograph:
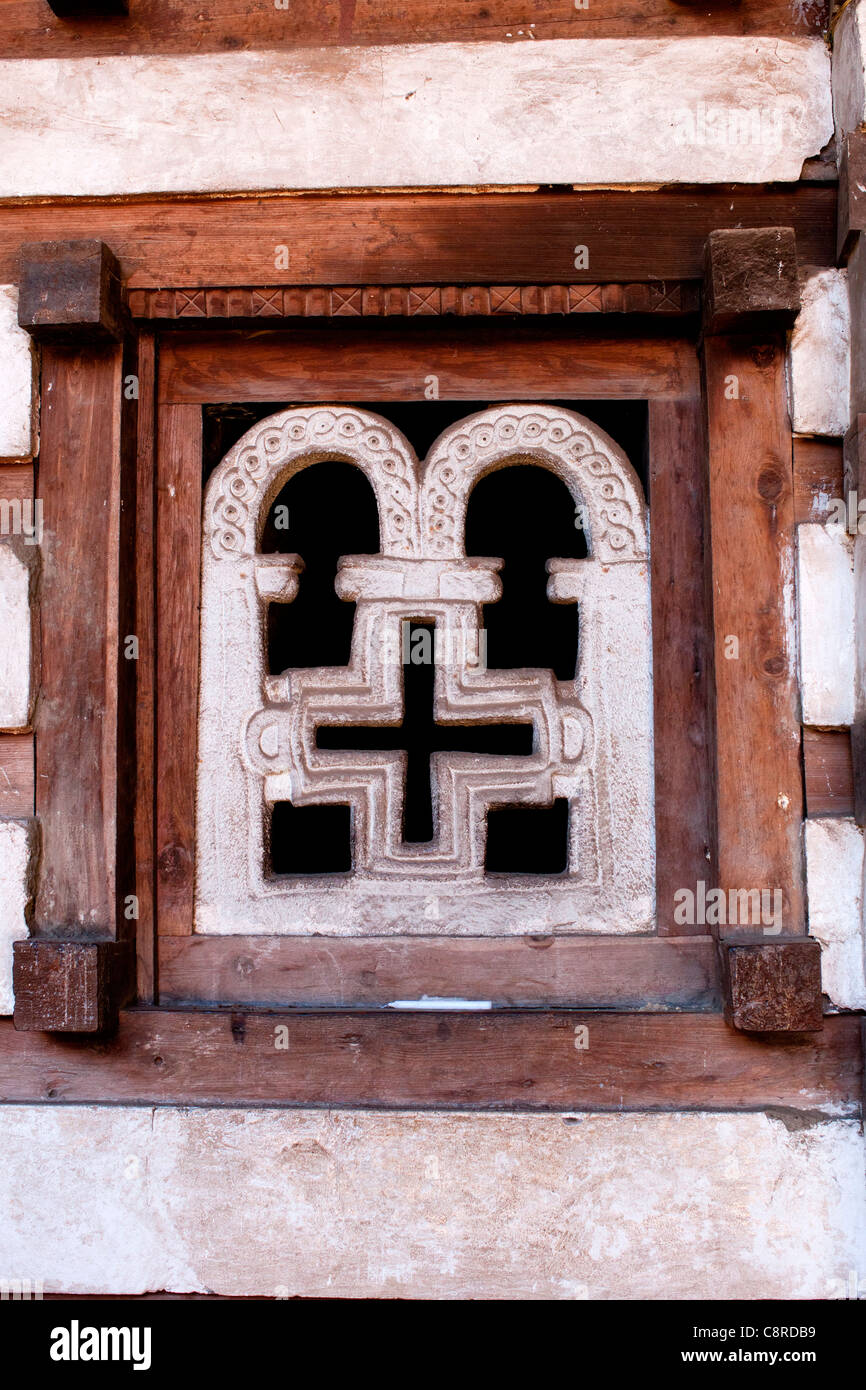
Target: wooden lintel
x=522 y=1060
x=70 y=986
x=750 y=279
x=70 y=291
x=772 y=986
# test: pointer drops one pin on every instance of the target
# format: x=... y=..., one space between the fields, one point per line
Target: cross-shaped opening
x=420 y=736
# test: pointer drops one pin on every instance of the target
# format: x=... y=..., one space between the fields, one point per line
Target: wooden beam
x=476 y=361
x=665 y=298
x=855 y=482
x=536 y=1060
x=69 y=293
x=519 y=972
x=686 y=848
x=17 y=775
x=178 y=546
x=852 y=193
x=759 y=774
x=158 y=26
x=448 y=238
x=752 y=535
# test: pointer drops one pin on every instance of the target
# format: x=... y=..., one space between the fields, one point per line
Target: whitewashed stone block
x=820 y=356
x=825 y=587
x=257 y=732
x=849 y=69
x=16 y=843
x=15 y=647
x=834 y=875
x=17 y=383
x=604 y=111
x=347 y=1204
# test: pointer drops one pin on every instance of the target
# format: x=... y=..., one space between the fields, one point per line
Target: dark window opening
x=310 y=839
x=522 y=514
x=324 y=511
x=527 y=839
x=526 y=515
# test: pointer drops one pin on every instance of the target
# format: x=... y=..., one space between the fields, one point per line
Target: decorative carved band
x=408 y=301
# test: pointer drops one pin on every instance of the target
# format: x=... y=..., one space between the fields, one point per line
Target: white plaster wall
x=356 y=1203
x=15 y=639
x=16 y=840
x=820 y=356
x=834 y=873
x=557 y=111
x=17 y=433
x=825 y=590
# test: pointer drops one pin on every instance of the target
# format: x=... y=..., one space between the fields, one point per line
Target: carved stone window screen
x=592 y=735
x=207 y=380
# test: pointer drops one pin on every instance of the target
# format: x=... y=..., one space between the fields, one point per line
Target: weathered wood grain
x=420 y=238
x=17 y=775
x=475 y=360
x=168 y=26
x=759 y=773
x=686 y=849
x=577 y=972
x=145 y=628
x=78 y=480
x=178 y=550
x=773 y=986
x=817 y=478
x=538 y=1060
x=828 y=772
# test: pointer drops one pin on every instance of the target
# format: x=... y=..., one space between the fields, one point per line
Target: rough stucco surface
x=442 y=1205
x=14 y=634
x=825 y=590
x=834 y=874
x=559 y=111
x=15 y=839
x=16 y=381
x=820 y=361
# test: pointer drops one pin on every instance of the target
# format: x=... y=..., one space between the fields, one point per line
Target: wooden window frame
x=73 y=973
x=474 y=359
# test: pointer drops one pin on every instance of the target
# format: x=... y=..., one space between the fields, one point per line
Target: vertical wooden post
x=751 y=294
x=75 y=969
x=686 y=852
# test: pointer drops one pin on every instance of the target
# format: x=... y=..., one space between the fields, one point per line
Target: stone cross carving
x=592 y=736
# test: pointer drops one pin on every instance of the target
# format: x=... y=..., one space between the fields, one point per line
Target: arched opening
x=526 y=515
x=323 y=511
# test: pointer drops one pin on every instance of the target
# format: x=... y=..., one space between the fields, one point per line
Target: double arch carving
x=592 y=735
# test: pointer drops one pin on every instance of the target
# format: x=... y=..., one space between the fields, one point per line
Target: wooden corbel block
x=851 y=206
x=70 y=986
x=70 y=291
x=88 y=9
x=750 y=280
x=772 y=986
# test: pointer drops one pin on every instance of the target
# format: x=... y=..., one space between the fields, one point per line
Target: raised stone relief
x=591 y=736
